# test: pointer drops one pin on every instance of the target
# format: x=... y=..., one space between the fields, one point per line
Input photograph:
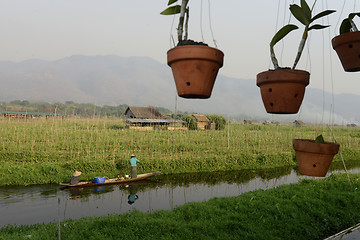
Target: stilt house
x=149 y=118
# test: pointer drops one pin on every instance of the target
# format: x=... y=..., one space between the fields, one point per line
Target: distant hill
x=142 y=81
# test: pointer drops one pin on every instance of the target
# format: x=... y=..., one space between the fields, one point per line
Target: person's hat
x=76 y=174
x=132 y=155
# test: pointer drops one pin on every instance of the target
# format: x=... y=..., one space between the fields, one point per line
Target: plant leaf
x=345 y=26
x=282 y=33
x=171 y=10
x=306 y=9
x=317 y=27
x=320 y=139
x=171 y=2
x=322 y=14
x=352 y=15
x=299 y=14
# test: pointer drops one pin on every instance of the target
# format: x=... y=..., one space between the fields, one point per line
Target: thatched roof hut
x=144 y=113
x=299 y=123
x=201 y=120
x=148 y=118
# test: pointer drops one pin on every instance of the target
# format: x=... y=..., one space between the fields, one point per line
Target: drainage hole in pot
x=295 y=96
x=350 y=45
x=271 y=104
x=270 y=89
x=314 y=165
x=188 y=83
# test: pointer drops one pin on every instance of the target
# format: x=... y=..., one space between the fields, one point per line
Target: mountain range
x=142 y=81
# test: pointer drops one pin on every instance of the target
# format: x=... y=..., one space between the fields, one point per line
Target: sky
x=54 y=29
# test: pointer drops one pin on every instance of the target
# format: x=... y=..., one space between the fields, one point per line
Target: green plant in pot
x=194 y=65
x=347 y=44
x=282 y=89
x=314 y=156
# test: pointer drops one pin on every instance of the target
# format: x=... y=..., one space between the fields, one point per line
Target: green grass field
x=40 y=151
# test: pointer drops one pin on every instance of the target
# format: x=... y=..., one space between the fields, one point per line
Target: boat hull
x=112 y=181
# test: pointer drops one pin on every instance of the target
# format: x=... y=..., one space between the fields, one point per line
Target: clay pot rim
x=218 y=57
x=192 y=46
x=328 y=148
x=345 y=38
x=304 y=80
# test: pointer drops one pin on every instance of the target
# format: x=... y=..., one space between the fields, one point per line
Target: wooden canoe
x=112 y=181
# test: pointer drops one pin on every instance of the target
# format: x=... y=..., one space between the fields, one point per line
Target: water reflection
x=38 y=204
x=230 y=177
x=133 y=196
x=76 y=193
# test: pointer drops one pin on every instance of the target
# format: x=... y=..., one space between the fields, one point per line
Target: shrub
x=219 y=120
x=190 y=122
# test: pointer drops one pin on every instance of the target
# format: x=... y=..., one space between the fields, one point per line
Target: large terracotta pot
x=347 y=46
x=195 y=68
x=314 y=158
x=282 y=90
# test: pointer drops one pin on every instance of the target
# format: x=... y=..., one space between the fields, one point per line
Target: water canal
x=50 y=203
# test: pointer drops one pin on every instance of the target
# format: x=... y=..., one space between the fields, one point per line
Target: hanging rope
x=277 y=16
x=300 y=109
x=283 y=23
x=201 y=27
x=340 y=16
x=308 y=59
x=298 y=118
x=332 y=108
x=276 y=26
x=342 y=159
x=171 y=36
x=323 y=69
x=211 y=30
x=175 y=117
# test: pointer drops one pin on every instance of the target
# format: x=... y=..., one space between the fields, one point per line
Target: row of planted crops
x=50 y=150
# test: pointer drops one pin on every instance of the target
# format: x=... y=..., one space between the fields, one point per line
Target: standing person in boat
x=133 y=165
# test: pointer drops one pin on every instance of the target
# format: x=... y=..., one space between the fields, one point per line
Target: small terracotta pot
x=347 y=46
x=195 y=68
x=282 y=90
x=313 y=158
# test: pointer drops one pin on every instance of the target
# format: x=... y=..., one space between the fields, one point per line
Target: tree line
x=91 y=110
x=69 y=107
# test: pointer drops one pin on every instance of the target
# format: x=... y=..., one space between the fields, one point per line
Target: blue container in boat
x=99 y=179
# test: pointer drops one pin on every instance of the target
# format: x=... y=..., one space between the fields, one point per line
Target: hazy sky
x=53 y=29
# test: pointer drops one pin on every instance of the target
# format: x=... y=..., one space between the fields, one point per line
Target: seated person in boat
x=75 y=178
x=133 y=165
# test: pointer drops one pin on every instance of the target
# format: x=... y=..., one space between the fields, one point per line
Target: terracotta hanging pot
x=282 y=90
x=195 y=68
x=314 y=158
x=347 y=46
